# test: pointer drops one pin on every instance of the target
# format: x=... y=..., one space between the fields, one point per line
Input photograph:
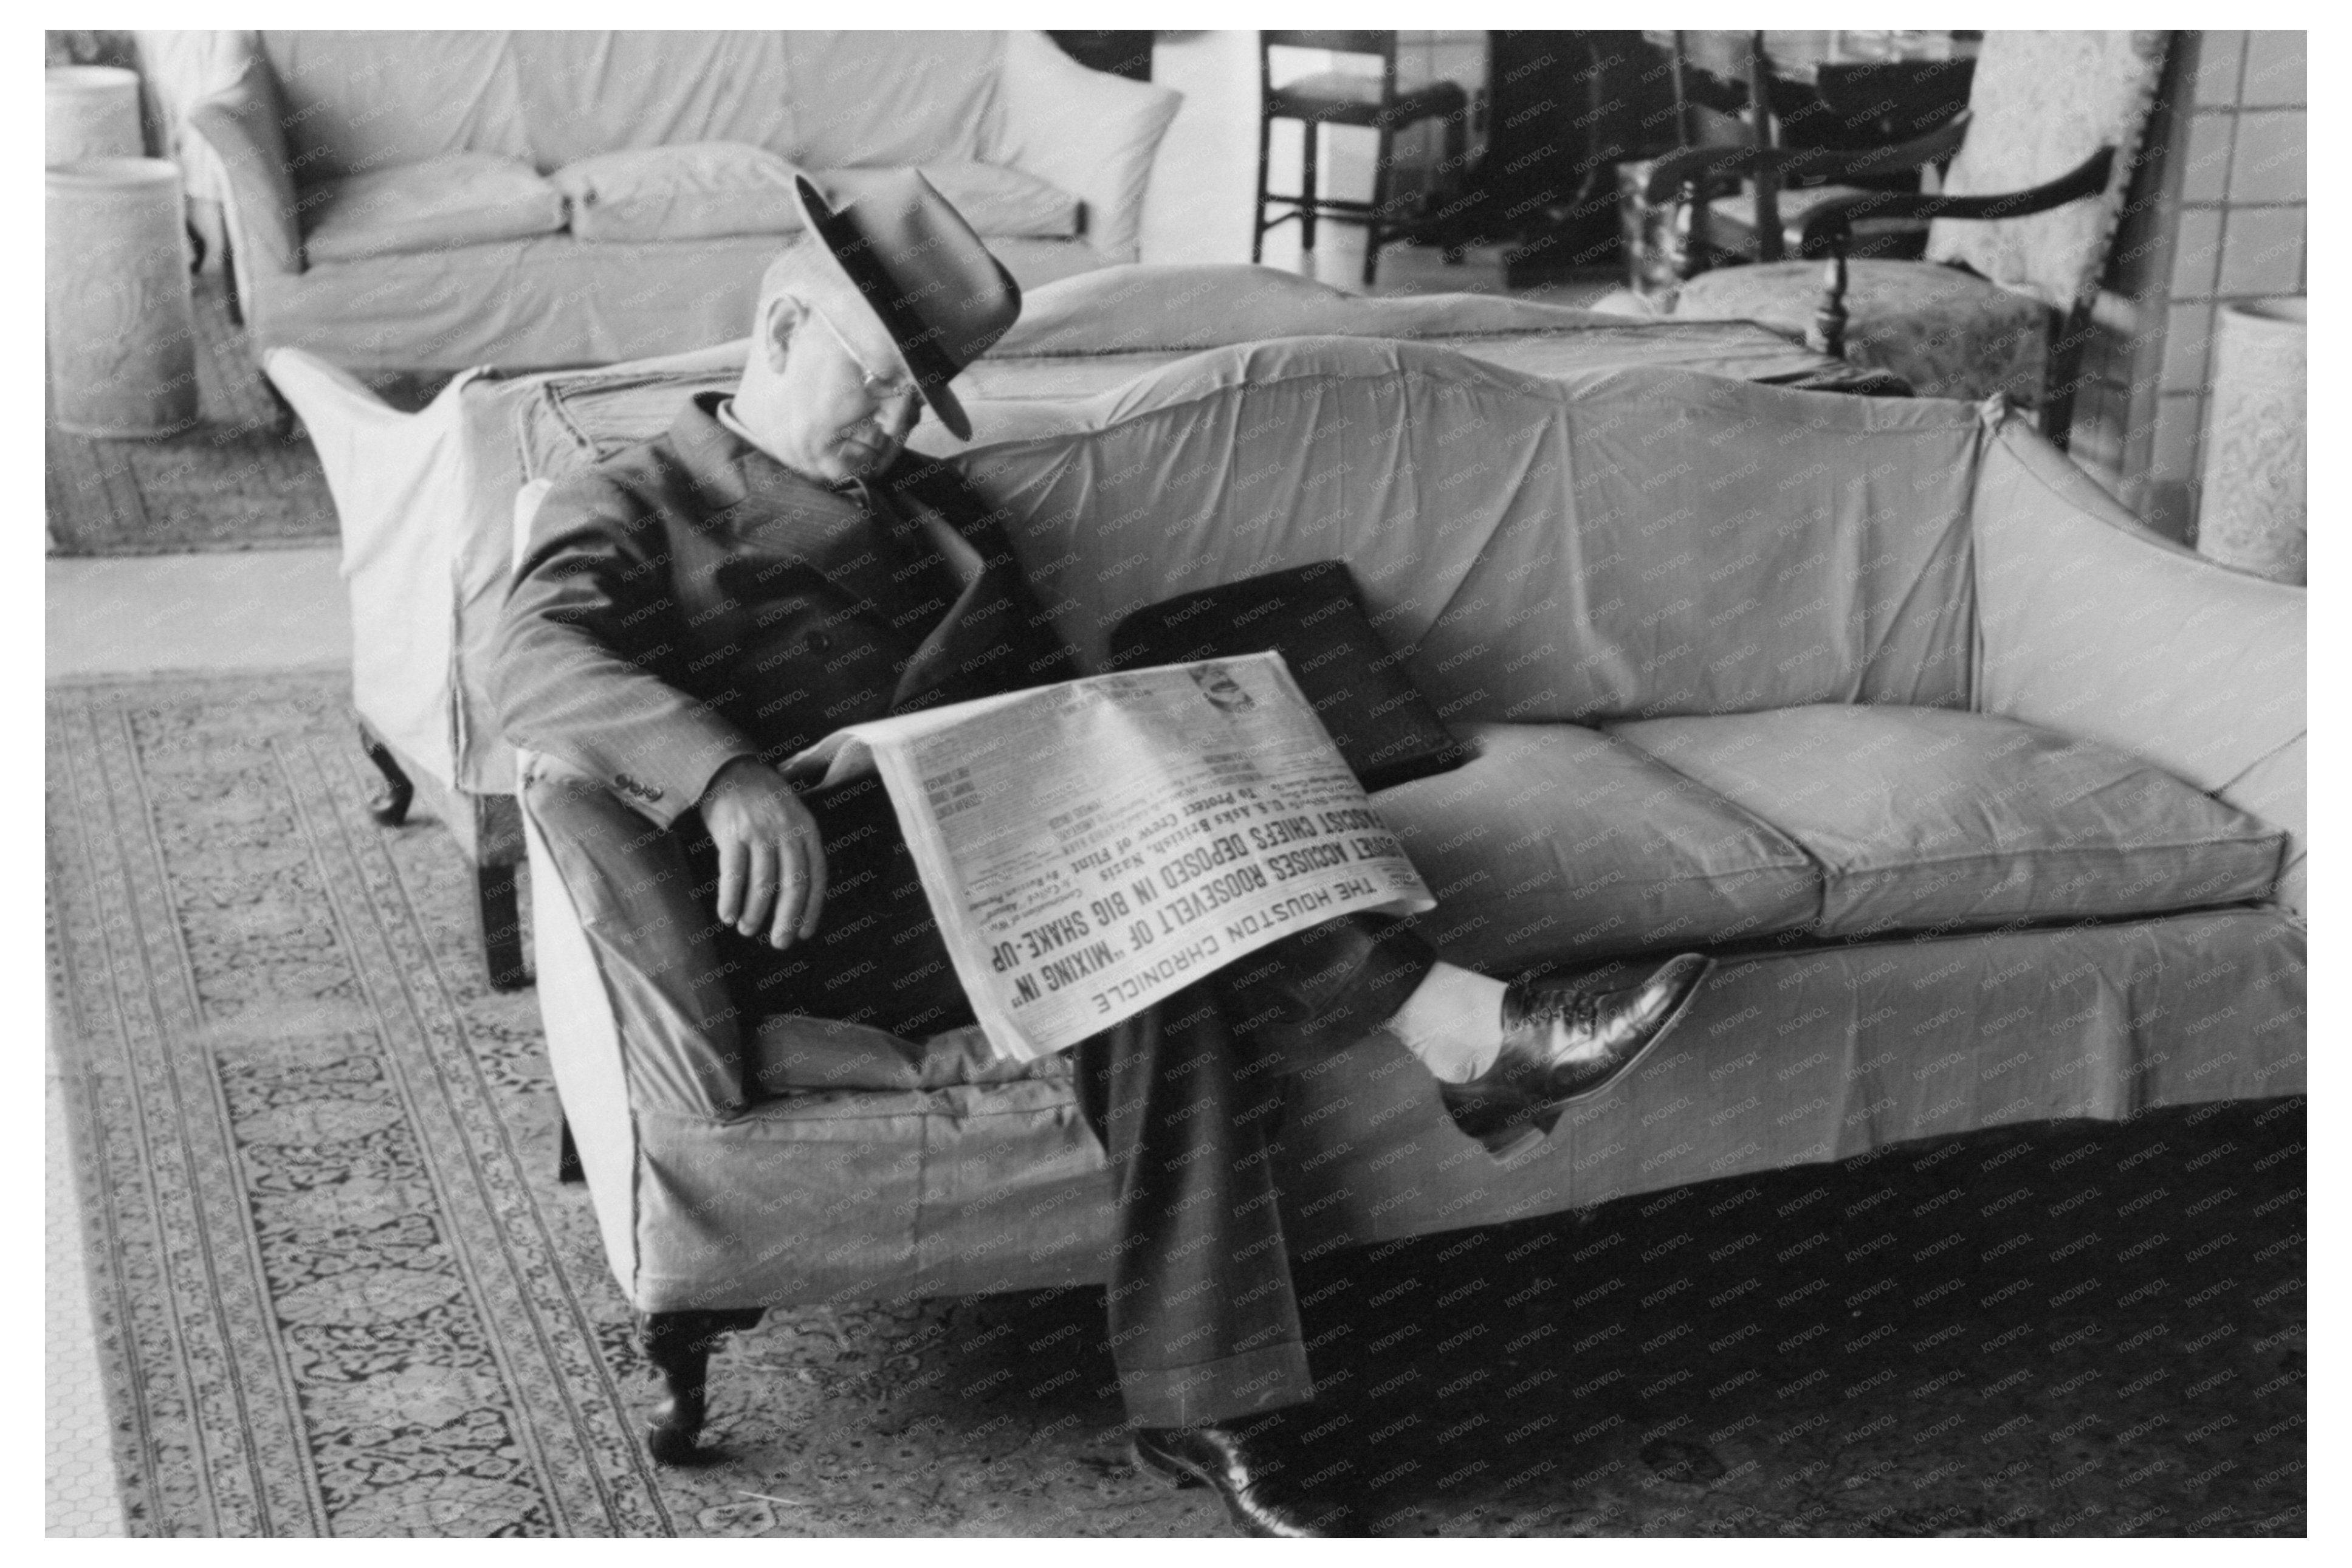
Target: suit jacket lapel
x=756 y=500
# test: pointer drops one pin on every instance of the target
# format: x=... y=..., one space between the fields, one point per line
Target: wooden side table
x=122 y=322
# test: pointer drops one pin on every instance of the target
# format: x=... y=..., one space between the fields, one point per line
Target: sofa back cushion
x=357 y=102
x=361 y=100
x=889 y=98
x=1610 y=544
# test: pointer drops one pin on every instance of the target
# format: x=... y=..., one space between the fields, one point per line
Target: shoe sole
x=1531 y=1134
x=1184 y=1476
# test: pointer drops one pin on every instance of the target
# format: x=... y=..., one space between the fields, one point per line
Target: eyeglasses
x=880 y=389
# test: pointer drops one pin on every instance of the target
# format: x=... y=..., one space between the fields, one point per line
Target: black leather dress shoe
x=1563 y=1043
x=1215 y=1457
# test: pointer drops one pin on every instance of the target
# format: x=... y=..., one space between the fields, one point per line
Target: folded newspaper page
x=1091 y=846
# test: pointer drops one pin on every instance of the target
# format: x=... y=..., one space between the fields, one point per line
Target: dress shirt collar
x=731 y=469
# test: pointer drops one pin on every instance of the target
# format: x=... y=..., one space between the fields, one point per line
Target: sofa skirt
x=1789 y=1057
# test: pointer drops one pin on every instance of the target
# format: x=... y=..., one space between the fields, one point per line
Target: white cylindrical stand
x=2250 y=511
x=122 y=322
x=91 y=111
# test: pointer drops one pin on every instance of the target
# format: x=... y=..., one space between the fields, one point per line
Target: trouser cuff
x=1216 y=1391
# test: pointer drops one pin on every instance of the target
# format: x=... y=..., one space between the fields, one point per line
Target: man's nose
x=901 y=412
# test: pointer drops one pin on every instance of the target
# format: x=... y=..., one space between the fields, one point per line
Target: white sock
x=1453 y=1022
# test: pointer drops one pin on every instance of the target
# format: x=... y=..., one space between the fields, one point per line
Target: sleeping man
x=696 y=609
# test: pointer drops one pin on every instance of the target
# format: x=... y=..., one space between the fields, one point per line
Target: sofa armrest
x=656 y=964
x=1089 y=134
x=2091 y=624
x=635 y=966
x=244 y=124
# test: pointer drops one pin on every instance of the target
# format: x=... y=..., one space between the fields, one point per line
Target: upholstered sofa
x=424 y=500
x=426 y=201
x=1990 y=801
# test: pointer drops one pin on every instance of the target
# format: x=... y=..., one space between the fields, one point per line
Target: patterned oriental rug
x=338 y=1289
x=229 y=483
x=339 y=1292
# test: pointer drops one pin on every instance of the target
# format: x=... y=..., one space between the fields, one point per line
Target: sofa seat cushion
x=792 y=1054
x=697 y=190
x=1555 y=842
x=1931 y=818
x=997 y=201
x=463 y=198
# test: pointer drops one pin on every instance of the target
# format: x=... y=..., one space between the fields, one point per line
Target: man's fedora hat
x=930 y=282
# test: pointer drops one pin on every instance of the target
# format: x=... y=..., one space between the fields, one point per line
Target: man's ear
x=780 y=317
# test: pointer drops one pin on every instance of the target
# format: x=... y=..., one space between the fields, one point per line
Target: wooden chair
x=1344 y=98
x=2017 y=240
x=1859 y=119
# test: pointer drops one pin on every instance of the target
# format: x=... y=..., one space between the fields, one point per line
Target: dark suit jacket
x=690 y=601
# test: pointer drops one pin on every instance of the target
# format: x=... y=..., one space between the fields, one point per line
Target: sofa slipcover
x=1925 y=818
x=423 y=499
x=1556 y=841
x=457 y=199
x=1053 y=157
x=1688 y=549
x=698 y=190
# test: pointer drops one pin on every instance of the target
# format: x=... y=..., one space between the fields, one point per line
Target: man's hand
x=771 y=856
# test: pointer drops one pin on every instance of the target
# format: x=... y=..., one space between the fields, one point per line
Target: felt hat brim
x=926 y=277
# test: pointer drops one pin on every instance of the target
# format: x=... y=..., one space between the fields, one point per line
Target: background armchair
x=2017 y=242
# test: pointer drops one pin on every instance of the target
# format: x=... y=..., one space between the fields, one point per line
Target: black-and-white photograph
x=1175 y=784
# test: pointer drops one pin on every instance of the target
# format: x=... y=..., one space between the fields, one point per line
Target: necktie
x=927 y=586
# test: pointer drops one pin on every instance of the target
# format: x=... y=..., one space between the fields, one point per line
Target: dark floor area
x=2084 y=1329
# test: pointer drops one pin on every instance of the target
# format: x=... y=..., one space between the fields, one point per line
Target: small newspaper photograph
x=1090 y=848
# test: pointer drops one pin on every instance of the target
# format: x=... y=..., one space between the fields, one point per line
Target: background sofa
x=1992 y=801
x=407 y=201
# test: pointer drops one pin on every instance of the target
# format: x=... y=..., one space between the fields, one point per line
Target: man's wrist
x=734 y=768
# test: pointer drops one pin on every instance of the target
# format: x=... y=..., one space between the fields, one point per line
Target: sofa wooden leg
x=567 y=1153
x=284 y=423
x=229 y=284
x=1828 y=334
x=390 y=808
x=679 y=1345
x=494 y=894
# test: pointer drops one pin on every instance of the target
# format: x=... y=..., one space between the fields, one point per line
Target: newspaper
x=1089 y=847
